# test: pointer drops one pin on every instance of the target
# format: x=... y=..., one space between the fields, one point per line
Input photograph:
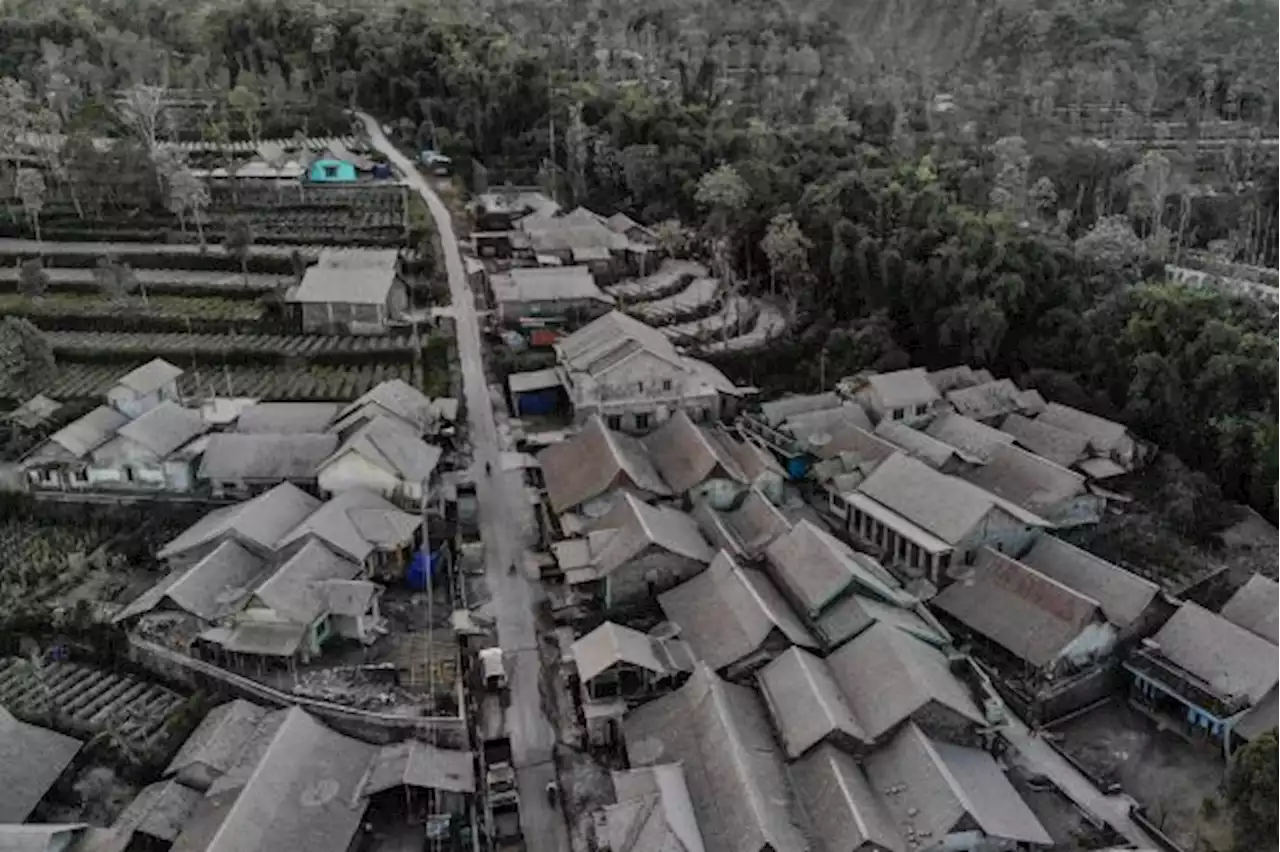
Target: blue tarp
x=421 y=568
x=797 y=467
x=542 y=401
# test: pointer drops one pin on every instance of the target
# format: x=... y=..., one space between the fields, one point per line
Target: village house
x=577 y=237
x=1132 y=604
x=708 y=726
x=905 y=396
x=396 y=398
x=800 y=427
x=557 y=293
x=922 y=446
x=1061 y=497
x=708 y=464
x=631 y=375
x=584 y=474
x=990 y=402
x=1201 y=674
x=975 y=441
x=653 y=812
x=845 y=812
x=286 y=418
x=1060 y=446
x=1112 y=449
x=357 y=291
x=245 y=760
x=734 y=618
x=946 y=796
x=501 y=209
x=960 y=376
x=277 y=576
x=384 y=456
x=155 y=451
x=1045 y=628
x=838 y=591
x=866 y=690
x=922 y=521
x=242 y=465
x=137 y=392
x=1256 y=608
x=63 y=461
x=632 y=553
x=745 y=529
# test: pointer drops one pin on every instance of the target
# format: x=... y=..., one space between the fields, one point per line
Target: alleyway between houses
x=502 y=507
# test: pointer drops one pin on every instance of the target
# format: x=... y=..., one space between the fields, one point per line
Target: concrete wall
x=449 y=732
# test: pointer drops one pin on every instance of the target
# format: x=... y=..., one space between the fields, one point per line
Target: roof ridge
x=948 y=776
x=830 y=756
x=715 y=688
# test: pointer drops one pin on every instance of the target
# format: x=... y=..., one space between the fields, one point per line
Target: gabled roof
x=610 y=644
x=233 y=456
x=653 y=812
x=355 y=523
x=1255 y=607
x=856 y=443
x=1123 y=595
x=815 y=568
x=349 y=276
x=779 y=411
x=638 y=526
x=211 y=588
x=747 y=530
x=1259 y=718
x=548 y=284
x=1060 y=446
x=728 y=611
x=34 y=411
x=920 y=445
x=1230 y=659
x=218 y=740
x=150 y=377
x=300 y=790
x=31 y=759
x=805 y=702
x=413 y=763
x=686 y=455
x=954 y=378
x=818 y=427
x=287 y=418
x=260 y=522
x=734 y=770
x=846 y=812
x=1027 y=613
x=946 y=507
x=392 y=445
x=160 y=810
x=938 y=788
x=164 y=428
x=1026 y=480
x=594 y=462
x=968 y=435
x=83 y=436
x=888 y=676
x=604 y=342
x=988 y=400
x=398 y=397
x=1104 y=435
x=903 y=388
x=293 y=589
x=620 y=223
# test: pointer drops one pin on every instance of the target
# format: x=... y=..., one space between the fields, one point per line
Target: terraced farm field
x=157 y=281
x=334 y=382
x=76 y=345
x=160 y=308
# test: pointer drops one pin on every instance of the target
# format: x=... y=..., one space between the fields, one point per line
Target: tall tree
x=139 y=108
x=30 y=187
x=1252 y=794
x=239 y=242
x=33 y=279
x=26 y=358
x=787 y=249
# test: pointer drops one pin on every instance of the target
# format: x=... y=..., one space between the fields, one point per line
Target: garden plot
x=85 y=701
x=212 y=347
x=697 y=298
x=736 y=313
x=672 y=277
x=769 y=323
x=126 y=251
x=82 y=306
x=155 y=281
x=44 y=559
x=317 y=383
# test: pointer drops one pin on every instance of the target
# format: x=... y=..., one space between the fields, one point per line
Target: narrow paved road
x=501 y=530
x=1113 y=810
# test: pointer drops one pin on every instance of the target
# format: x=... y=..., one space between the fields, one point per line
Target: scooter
x=553 y=793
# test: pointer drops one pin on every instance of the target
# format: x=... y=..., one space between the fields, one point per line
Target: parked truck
x=502 y=796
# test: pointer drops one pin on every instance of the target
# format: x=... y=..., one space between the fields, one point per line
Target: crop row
x=311 y=383
x=156 y=314
x=125 y=344
x=183 y=282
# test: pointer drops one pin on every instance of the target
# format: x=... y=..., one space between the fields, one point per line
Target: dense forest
x=995 y=181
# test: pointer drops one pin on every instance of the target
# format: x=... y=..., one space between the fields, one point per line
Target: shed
x=331 y=170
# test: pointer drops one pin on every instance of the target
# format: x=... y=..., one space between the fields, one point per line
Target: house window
x=614 y=422
x=944 y=562
x=331 y=171
x=639 y=387
x=642 y=421
x=897 y=414
x=923 y=408
x=666 y=384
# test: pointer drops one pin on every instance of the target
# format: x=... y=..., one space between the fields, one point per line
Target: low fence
x=1164 y=841
x=446 y=731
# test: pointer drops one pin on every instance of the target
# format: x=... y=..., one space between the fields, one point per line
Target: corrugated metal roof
x=685 y=455
x=654 y=812
x=1059 y=446
x=639 y=526
x=231 y=456
x=83 y=436
x=610 y=644
x=260 y=522
x=816 y=568
x=903 y=388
